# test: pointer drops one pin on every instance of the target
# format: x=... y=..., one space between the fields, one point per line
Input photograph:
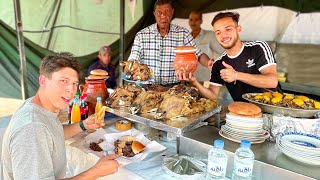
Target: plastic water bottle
x=217 y=161
x=243 y=161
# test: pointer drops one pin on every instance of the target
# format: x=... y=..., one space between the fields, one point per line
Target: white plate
x=299 y=157
x=243 y=119
x=302 y=140
x=237 y=140
x=148 y=81
x=245 y=136
x=248 y=122
x=231 y=132
x=241 y=131
x=301 y=148
x=247 y=125
x=244 y=128
x=299 y=152
x=313 y=156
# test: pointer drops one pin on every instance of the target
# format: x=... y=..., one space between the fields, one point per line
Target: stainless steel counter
x=270 y=162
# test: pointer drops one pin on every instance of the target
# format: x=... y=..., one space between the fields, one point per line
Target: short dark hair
x=198 y=13
x=161 y=2
x=58 y=61
x=234 y=15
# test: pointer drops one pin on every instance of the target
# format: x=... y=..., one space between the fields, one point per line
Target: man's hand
x=105 y=166
x=210 y=63
x=186 y=77
x=89 y=123
x=228 y=74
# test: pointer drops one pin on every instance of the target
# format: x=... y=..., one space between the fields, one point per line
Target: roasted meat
x=121 y=97
x=136 y=71
x=147 y=100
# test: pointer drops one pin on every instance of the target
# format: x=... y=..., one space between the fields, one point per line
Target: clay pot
x=186 y=60
x=93 y=89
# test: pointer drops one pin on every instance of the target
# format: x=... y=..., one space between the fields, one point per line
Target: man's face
x=163 y=14
x=105 y=58
x=60 y=88
x=227 y=32
x=194 y=21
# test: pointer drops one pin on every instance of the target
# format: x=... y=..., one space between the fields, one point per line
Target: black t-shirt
x=252 y=58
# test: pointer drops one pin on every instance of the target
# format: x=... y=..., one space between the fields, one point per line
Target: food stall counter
x=270 y=162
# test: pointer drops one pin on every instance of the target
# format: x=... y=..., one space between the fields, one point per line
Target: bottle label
x=83 y=110
x=244 y=170
x=217 y=168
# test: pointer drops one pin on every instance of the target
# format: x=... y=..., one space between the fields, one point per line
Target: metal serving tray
x=272 y=109
x=150 y=121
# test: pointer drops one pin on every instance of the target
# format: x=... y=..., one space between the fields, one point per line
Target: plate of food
x=284 y=104
x=130 y=146
x=137 y=72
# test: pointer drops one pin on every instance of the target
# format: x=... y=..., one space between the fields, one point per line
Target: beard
x=234 y=42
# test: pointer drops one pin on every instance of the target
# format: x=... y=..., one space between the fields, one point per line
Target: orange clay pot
x=93 y=89
x=186 y=60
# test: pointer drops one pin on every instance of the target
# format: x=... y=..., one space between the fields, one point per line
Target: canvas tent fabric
x=60 y=25
x=81 y=27
x=9 y=56
x=270 y=23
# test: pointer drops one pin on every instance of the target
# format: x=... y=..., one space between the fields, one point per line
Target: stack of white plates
x=238 y=128
x=300 y=146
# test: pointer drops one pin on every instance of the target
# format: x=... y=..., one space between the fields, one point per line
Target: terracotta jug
x=93 y=89
x=186 y=60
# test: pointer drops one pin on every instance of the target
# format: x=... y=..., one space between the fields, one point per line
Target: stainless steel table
x=270 y=162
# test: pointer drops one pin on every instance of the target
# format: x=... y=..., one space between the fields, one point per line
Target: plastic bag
x=184 y=167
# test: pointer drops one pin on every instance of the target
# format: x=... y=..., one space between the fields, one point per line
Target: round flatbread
x=96 y=77
x=244 y=108
x=259 y=115
x=99 y=72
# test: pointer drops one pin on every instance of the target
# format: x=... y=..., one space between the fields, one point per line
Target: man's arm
x=204 y=60
x=211 y=93
x=71 y=130
x=105 y=166
x=267 y=79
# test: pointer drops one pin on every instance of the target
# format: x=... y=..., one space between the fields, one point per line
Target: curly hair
x=56 y=62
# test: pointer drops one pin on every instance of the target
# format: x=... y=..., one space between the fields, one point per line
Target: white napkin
x=96 y=136
x=150 y=146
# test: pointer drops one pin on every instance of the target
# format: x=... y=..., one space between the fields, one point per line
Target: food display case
x=177 y=127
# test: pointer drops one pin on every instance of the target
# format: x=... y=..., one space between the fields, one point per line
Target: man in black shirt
x=244 y=67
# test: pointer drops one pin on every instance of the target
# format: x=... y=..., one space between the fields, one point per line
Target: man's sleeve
x=265 y=56
x=31 y=148
x=189 y=41
x=215 y=78
x=136 y=49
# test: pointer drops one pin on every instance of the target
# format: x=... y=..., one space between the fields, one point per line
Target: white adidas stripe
x=266 y=49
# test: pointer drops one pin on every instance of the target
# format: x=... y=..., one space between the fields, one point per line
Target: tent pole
x=23 y=69
x=121 y=52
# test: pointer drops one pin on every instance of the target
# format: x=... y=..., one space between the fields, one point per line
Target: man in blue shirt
x=104 y=64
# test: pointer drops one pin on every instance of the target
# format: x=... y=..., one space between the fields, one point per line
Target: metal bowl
x=272 y=109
